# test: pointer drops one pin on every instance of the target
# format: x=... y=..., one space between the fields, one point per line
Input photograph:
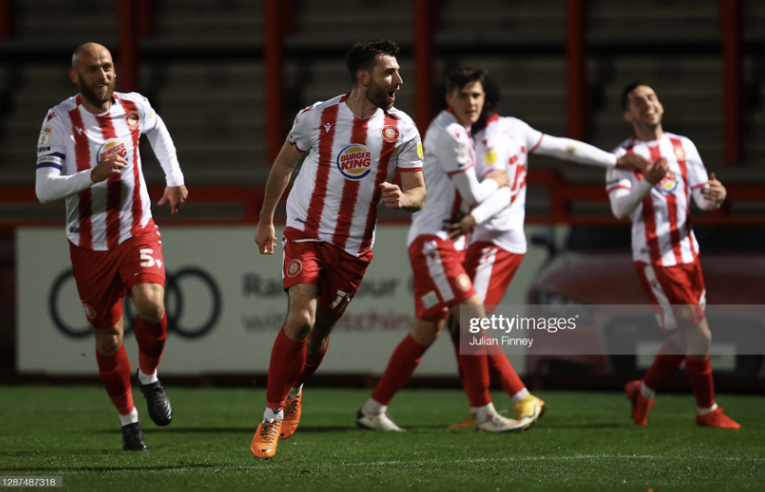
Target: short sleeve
x=455 y=150
x=411 y=153
x=51 y=144
x=532 y=137
x=697 y=173
x=302 y=129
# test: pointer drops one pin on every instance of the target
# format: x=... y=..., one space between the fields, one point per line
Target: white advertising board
x=225 y=304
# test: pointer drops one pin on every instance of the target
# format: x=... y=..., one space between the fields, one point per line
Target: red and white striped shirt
x=336 y=194
x=74 y=140
x=661 y=226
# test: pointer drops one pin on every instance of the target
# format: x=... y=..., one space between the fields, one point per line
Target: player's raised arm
x=278 y=179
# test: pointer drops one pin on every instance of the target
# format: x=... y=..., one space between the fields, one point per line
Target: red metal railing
x=562 y=197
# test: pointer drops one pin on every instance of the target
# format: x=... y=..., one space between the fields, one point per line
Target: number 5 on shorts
x=147 y=259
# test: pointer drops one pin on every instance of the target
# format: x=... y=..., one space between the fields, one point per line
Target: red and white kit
x=73 y=141
x=439 y=277
x=664 y=247
x=498 y=241
x=114 y=242
x=336 y=195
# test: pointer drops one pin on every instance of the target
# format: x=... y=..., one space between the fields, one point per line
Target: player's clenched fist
x=714 y=191
x=111 y=164
x=266 y=238
x=656 y=172
x=392 y=195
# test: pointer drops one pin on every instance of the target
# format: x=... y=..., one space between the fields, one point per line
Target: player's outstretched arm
x=711 y=195
x=412 y=198
x=624 y=202
x=576 y=151
x=278 y=179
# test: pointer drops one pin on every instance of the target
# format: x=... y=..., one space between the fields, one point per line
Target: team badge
x=354 y=161
x=132 y=119
x=294 y=268
x=89 y=311
x=679 y=153
x=463 y=282
x=668 y=183
x=420 y=151
x=111 y=146
x=390 y=133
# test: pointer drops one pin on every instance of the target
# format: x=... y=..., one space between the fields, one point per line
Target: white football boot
x=381 y=421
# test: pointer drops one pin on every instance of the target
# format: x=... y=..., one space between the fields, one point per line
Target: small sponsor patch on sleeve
x=44 y=139
x=463 y=155
x=490 y=157
x=420 y=152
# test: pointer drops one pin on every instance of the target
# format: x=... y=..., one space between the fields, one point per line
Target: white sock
x=295 y=392
x=372 y=407
x=483 y=413
x=706 y=411
x=521 y=395
x=647 y=392
x=147 y=378
x=273 y=414
x=130 y=418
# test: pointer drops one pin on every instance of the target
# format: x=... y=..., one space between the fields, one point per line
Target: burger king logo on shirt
x=354 y=161
x=668 y=183
x=111 y=146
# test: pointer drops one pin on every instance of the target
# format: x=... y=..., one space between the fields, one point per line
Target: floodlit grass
x=584 y=442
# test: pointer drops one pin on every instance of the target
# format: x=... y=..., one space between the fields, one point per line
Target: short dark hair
x=625 y=100
x=460 y=77
x=493 y=92
x=362 y=55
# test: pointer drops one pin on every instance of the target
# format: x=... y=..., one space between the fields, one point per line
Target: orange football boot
x=266 y=438
x=717 y=419
x=292 y=410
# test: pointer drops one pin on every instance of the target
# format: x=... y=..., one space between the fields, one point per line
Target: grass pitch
x=585 y=442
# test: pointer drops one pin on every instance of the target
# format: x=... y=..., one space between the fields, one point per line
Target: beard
x=378 y=95
x=89 y=93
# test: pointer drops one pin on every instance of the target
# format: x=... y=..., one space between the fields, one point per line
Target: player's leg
x=404 y=360
x=475 y=368
x=659 y=291
x=316 y=348
x=142 y=270
x=698 y=343
x=436 y=266
x=491 y=269
x=95 y=273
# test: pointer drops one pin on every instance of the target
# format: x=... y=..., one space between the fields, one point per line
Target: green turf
x=584 y=442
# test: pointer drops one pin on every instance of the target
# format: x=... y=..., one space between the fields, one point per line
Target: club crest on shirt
x=668 y=183
x=679 y=153
x=132 y=119
x=390 y=133
x=111 y=146
x=354 y=161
